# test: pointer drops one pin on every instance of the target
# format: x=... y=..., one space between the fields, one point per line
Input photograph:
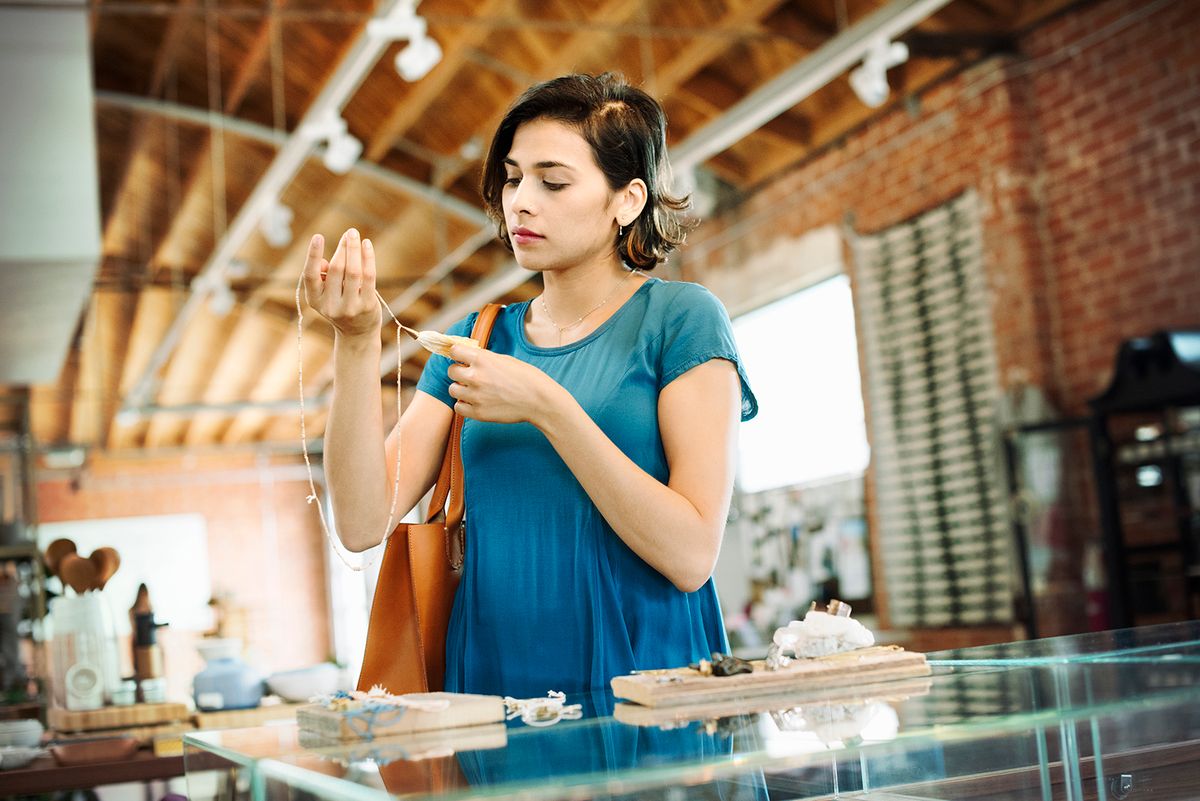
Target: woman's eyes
x=550 y=185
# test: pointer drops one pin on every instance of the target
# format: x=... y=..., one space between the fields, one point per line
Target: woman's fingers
x=368 y=279
x=314 y=266
x=337 y=271
x=354 y=266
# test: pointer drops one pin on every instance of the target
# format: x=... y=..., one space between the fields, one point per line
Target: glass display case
x=1110 y=715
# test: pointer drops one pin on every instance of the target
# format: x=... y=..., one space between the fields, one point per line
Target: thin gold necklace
x=582 y=317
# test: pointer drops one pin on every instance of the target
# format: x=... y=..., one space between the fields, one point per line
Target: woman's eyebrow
x=541 y=165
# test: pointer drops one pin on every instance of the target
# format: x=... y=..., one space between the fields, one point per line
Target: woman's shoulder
x=675 y=298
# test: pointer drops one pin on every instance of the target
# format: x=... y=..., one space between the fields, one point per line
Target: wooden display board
x=888 y=692
x=352 y=724
x=116 y=717
x=680 y=686
x=246 y=718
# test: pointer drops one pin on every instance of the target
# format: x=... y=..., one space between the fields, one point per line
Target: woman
x=600 y=437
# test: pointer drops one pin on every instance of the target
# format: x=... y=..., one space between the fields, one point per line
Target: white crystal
x=821 y=634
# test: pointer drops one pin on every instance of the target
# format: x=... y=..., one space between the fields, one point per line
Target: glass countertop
x=1147 y=642
x=1055 y=719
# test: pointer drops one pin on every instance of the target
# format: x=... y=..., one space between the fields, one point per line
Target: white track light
x=869 y=81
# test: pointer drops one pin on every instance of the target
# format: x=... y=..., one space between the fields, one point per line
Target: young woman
x=601 y=423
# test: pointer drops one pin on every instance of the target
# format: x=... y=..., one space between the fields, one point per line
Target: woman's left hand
x=497 y=388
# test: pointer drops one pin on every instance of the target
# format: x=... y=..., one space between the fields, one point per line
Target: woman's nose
x=521 y=198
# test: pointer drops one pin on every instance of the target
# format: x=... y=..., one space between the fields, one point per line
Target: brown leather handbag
x=422 y=564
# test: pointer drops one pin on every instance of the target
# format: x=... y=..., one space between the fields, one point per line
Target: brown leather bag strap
x=450 y=482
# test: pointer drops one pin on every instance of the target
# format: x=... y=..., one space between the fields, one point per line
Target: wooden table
x=44 y=775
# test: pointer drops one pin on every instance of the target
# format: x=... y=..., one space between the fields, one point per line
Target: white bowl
x=25 y=733
x=15 y=756
x=211 y=648
x=303 y=683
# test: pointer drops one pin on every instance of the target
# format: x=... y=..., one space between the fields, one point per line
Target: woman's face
x=557 y=204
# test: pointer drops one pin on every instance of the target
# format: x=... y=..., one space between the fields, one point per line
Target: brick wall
x=264 y=546
x=1120 y=123
x=1085 y=152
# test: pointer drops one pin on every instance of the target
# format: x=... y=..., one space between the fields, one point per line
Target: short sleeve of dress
x=697 y=329
x=434 y=380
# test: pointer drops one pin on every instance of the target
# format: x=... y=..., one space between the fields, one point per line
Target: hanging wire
x=278 y=96
x=174 y=172
x=217 y=148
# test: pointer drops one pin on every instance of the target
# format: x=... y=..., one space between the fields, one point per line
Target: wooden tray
x=410 y=747
x=673 y=716
x=464 y=710
x=115 y=717
x=680 y=686
x=246 y=718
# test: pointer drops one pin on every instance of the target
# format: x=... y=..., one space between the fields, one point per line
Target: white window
x=801 y=354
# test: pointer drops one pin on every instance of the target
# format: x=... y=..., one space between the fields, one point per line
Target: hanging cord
x=432 y=341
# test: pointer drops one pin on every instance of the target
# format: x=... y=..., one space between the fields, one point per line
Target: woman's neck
x=572 y=292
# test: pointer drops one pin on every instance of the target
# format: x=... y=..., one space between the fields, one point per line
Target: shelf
x=25 y=550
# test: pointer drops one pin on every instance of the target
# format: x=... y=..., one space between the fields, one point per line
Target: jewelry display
x=542 y=711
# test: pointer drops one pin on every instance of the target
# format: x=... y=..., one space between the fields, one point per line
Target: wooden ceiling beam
x=256 y=56
x=164 y=61
x=103 y=345
x=699 y=101
x=852 y=114
x=700 y=52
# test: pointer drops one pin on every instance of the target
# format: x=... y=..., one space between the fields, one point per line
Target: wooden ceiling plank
x=186 y=376
x=256 y=56
x=700 y=52
x=163 y=63
x=712 y=111
x=102 y=349
x=258 y=337
x=829 y=127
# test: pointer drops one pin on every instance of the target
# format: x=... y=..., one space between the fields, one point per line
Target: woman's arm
x=360 y=465
x=675 y=527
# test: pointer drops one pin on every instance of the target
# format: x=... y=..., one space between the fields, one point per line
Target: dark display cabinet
x=1146 y=449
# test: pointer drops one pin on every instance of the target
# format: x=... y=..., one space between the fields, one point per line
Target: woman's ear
x=630 y=201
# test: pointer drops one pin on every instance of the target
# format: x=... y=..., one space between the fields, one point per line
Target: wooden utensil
x=55 y=552
x=77 y=573
x=106 y=560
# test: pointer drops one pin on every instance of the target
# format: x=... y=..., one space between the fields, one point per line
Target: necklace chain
x=563 y=328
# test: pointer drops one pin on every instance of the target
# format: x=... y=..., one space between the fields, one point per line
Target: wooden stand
x=351 y=724
x=116 y=717
x=672 y=716
x=680 y=686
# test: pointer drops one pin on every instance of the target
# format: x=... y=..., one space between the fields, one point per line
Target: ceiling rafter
x=163 y=63
x=667 y=79
x=765 y=103
x=344 y=78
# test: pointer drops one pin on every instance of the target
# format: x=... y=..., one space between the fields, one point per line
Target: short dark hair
x=627 y=131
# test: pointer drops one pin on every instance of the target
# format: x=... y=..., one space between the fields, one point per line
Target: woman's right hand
x=342 y=290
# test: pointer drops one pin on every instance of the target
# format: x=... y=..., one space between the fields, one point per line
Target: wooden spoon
x=77 y=573
x=106 y=560
x=55 y=552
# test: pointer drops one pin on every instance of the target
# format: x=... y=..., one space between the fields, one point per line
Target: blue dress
x=551 y=598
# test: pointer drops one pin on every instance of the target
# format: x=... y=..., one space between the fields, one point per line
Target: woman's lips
x=523 y=236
